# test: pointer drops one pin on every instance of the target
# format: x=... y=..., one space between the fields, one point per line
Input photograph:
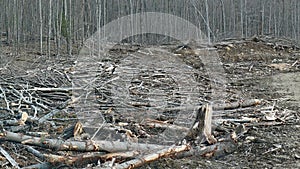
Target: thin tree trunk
x=41 y=27
x=7 y=21
x=15 y=27
x=131 y=13
x=70 y=30
x=58 y=28
x=99 y=26
x=104 y=16
x=223 y=15
x=270 y=19
x=49 y=28
x=82 y=19
x=207 y=22
x=242 y=18
x=262 y=19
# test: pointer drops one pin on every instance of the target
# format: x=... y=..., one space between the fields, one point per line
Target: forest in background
x=59 y=24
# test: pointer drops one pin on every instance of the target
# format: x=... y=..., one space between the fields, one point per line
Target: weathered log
x=82 y=159
x=51 y=89
x=235 y=105
x=55 y=111
x=167 y=152
x=35 y=152
x=44 y=165
x=87 y=145
x=224 y=146
x=9 y=158
x=223 y=106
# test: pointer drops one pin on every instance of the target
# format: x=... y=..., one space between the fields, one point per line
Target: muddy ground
x=267 y=69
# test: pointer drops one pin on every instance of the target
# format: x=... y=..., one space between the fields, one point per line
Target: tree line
x=60 y=24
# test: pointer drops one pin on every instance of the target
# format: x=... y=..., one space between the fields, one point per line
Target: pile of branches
x=37 y=117
x=199 y=141
x=74 y=150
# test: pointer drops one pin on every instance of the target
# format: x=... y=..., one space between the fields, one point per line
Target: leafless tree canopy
x=70 y=21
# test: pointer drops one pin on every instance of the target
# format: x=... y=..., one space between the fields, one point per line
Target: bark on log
x=89 y=158
x=9 y=158
x=223 y=106
x=167 y=152
x=88 y=145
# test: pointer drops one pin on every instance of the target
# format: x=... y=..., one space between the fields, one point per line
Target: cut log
x=88 y=145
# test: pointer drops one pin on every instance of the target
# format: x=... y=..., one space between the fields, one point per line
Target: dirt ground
x=272 y=79
x=262 y=70
x=267 y=69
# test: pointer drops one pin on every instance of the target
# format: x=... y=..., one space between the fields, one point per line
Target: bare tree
x=41 y=27
x=75 y=20
x=70 y=29
x=207 y=21
x=49 y=28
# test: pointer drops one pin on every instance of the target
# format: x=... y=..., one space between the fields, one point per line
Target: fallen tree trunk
x=223 y=106
x=167 y=152
x=94 y=157
x=88 y=145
